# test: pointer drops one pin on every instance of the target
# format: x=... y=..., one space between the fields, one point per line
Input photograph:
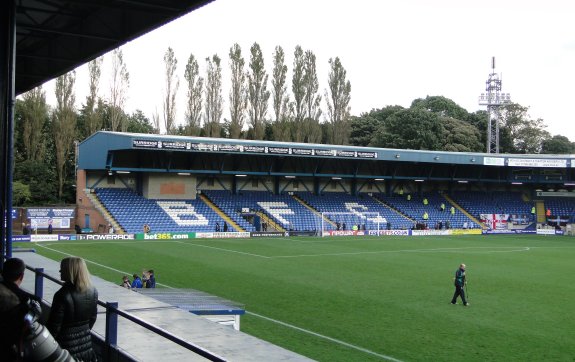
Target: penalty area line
x=349 y=345
x=222 y=249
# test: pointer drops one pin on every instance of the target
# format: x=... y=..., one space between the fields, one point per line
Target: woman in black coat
x=74 y=310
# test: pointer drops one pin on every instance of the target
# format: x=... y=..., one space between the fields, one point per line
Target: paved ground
x=143 y=345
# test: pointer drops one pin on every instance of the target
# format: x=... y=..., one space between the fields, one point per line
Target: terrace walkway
x=142 y=344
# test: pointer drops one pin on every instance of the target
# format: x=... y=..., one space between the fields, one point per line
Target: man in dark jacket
x=151 y=282
x=14 y=305
x=459 y=282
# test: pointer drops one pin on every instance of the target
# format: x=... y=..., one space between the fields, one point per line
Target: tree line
x=260 y=108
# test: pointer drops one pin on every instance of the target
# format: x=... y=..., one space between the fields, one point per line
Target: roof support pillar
x=7 y=101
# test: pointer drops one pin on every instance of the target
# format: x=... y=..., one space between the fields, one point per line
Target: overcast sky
x=393 y=51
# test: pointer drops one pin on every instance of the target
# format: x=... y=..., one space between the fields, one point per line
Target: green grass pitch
x=371 y=299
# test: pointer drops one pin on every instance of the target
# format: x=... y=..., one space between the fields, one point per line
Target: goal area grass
x=371 y=298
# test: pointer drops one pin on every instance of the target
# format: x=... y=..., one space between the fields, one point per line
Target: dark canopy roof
x=56 y=36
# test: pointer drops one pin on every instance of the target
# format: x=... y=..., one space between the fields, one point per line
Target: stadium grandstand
x=190 y=184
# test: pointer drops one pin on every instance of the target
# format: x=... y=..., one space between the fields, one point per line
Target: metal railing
x=112 y=313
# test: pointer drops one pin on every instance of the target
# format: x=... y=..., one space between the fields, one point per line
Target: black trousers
x=459 y=291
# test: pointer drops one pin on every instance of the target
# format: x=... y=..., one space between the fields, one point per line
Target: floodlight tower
x=493 y=99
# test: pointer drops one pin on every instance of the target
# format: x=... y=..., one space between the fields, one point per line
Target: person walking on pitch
x=460 y=282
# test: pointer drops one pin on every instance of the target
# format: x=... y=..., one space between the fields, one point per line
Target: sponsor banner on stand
x=229 y=235
x=165 y=236
x=43 y=237
x=204 y=235
x=232 y=235
x=279 y=150
x=46 y=213
x=545 y=231
x=537 y=162
x=67 y=237
x=344 y=232
x=465 y=231
x=19 y=238
x=499 y=232
x=268 y=234
x=105 y=237
x=430 y=232
x=302 y=233
x=388 y=232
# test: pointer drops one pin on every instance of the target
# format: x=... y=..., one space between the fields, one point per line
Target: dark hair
x=13 y=269
x=135 y=276
x=151 y=271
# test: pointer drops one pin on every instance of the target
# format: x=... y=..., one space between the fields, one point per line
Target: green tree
x=118 y=91
x=364 y=127
x=171 y=90
x=444 y=106
x=298 y=90
x=338 y=96
x=558 y=145
x=21 y=194
x=526 y=135
x=258 y=95
x=414 y=129
x=139 y=123
x=238 y=92
x=280 y=98
x=312 y=100
x=40 y=178
x=92 y=112
x=479 y=120
x=33 y=115
x=214 y=100
x=194 y=104
x=460 y=136
x=63 y=125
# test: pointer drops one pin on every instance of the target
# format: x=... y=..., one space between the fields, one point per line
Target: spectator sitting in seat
x=137 y=282
x=126 y=282
x=151 y=281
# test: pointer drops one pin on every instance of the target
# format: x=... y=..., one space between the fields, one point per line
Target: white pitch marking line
x=223 y=249
x=160 y=241
x=389 y=358
x=98 y=264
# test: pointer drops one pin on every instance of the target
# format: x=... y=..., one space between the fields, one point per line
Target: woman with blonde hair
x=74 y=310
